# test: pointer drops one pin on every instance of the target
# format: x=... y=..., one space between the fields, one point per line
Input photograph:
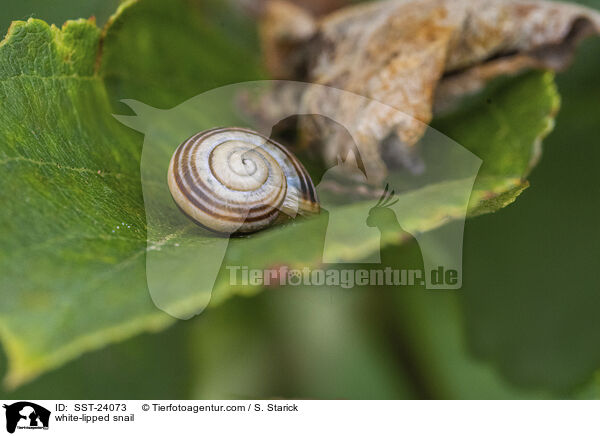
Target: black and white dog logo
x=26 y=415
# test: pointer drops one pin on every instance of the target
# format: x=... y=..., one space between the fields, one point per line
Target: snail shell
x=235 y=180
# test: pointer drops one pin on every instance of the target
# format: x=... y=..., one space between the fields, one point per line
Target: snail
x=235 y=180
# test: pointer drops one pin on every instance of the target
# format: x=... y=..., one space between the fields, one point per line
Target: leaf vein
x=62 y=167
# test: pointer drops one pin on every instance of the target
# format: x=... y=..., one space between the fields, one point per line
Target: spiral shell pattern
x=235 y=180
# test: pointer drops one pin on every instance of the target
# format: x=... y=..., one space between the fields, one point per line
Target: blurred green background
x=525 y=325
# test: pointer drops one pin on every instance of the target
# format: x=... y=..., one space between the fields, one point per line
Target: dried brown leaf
x=416 y=56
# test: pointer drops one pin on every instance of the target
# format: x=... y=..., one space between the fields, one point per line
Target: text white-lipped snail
x=235 y=180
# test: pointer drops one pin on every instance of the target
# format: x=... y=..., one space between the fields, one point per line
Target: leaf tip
x=18 y=26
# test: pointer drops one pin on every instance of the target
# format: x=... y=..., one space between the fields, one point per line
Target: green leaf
x=508 y=138
x=74 y=230
x=120 y=371
x=74 y=243
x=532 y=312
x=74 y=239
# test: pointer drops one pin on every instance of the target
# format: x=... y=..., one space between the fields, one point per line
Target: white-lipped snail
x=235 y=180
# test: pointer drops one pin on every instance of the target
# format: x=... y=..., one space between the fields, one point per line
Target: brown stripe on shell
x=191 y=186
x=257 y=211
x=307 y=187
x=245 y=214
x=199 y=179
